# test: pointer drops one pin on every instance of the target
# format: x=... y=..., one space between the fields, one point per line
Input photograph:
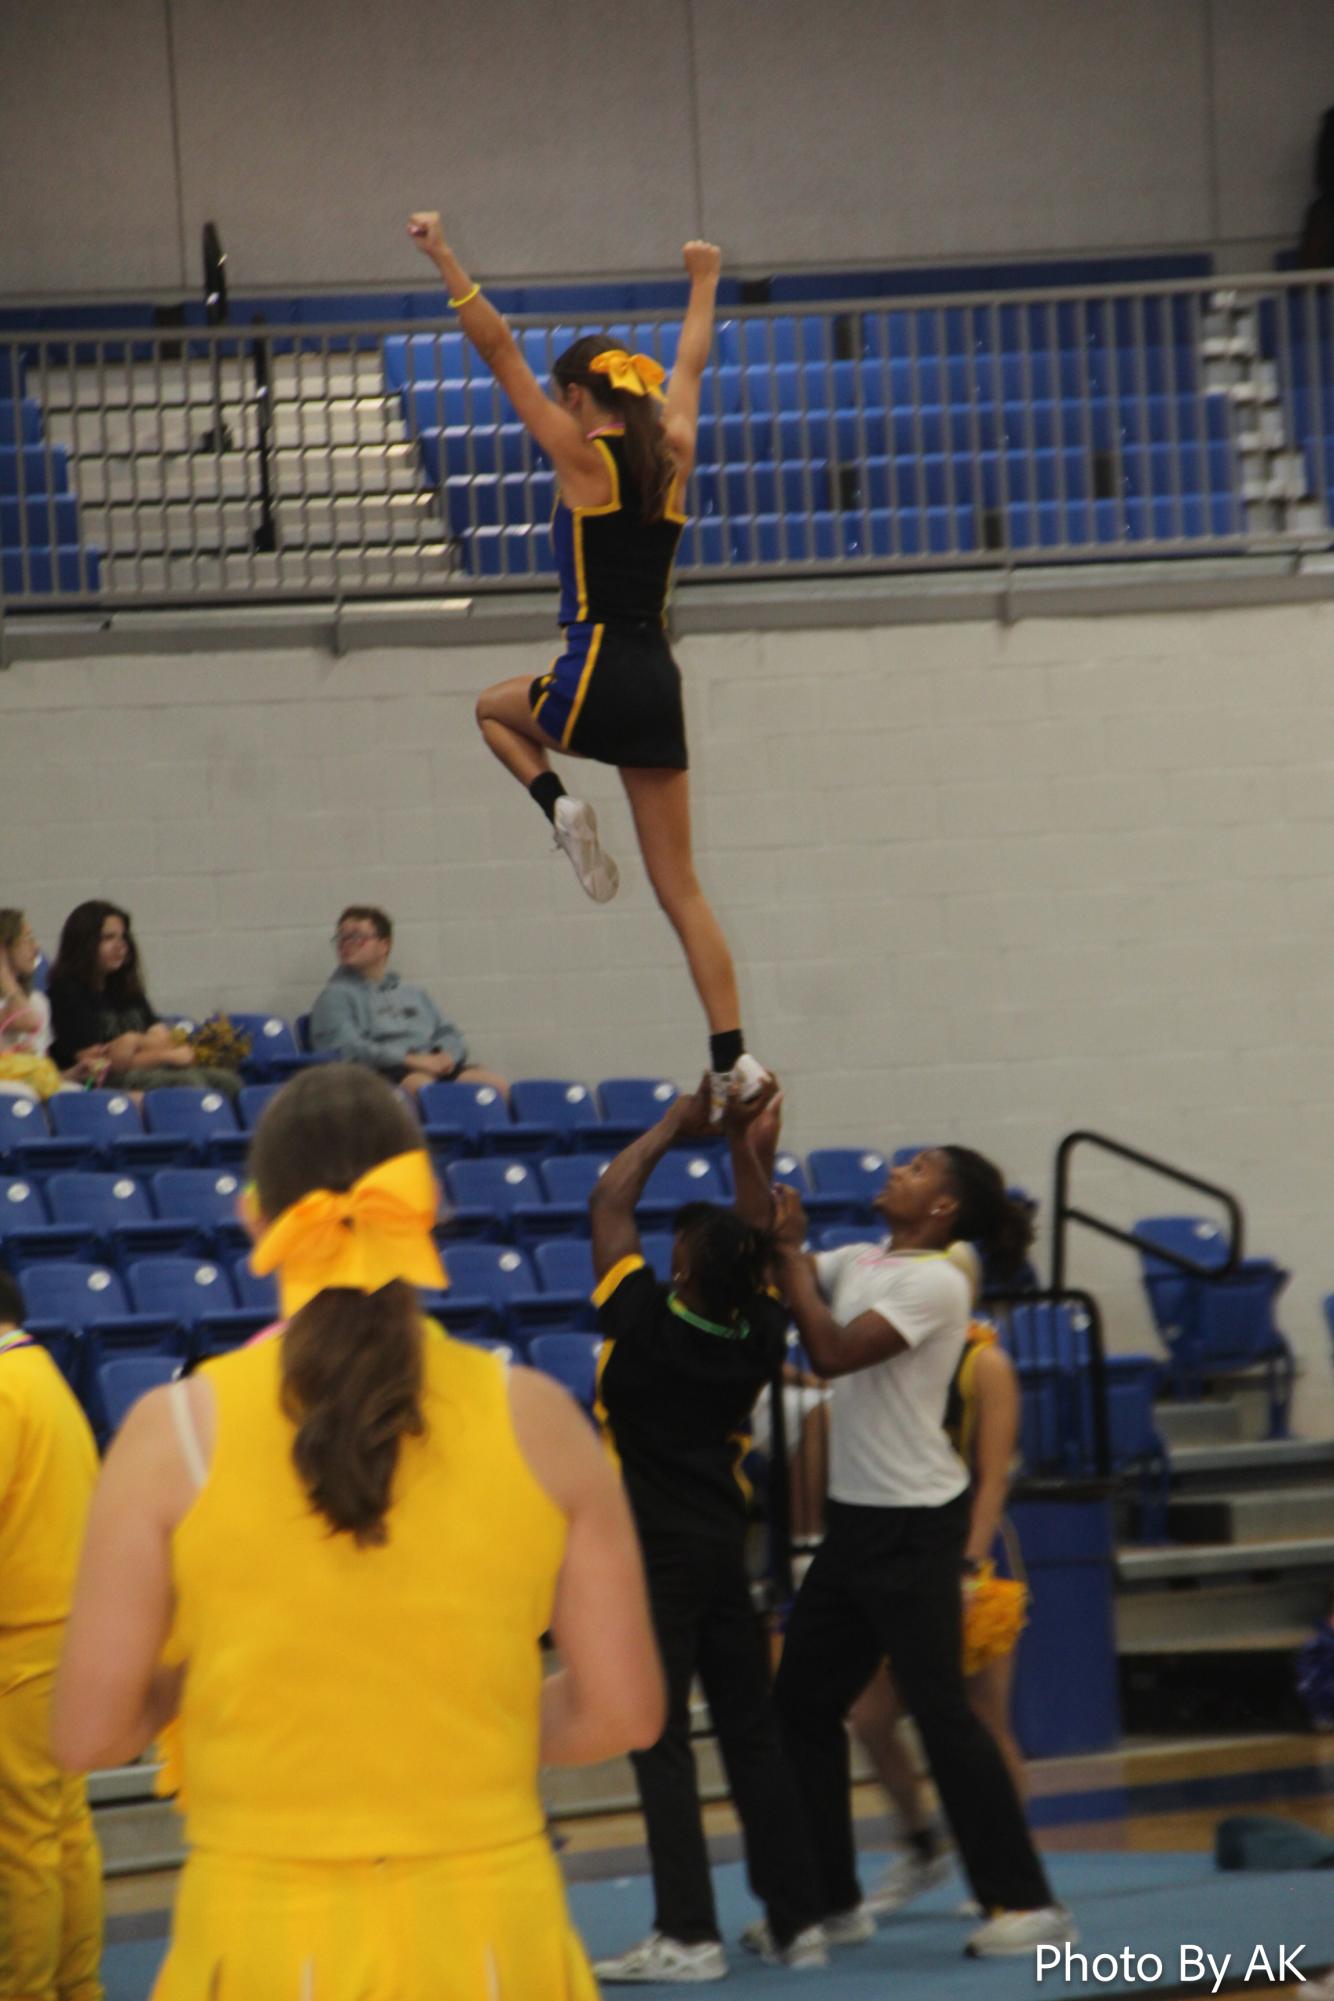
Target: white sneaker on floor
x=747 y=1077
x=576 y=829
x=662 y=1959
x=905 y=1879
x=1013 y=1933
x=804 y=1952
x=852 y=1927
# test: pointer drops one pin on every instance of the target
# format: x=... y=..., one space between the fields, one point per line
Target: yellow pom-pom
x=995 y=1614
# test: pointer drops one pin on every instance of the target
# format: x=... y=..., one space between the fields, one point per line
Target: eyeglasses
x=341 y=938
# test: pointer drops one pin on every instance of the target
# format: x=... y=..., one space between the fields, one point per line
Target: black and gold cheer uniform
x=615 y=692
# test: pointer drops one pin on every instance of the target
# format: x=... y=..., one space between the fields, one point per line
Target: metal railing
x=1064 y=1212
x=983 y=430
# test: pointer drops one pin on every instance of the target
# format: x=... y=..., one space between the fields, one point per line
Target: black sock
x=725 y=1048
x=924 y=1844
x=546 y=788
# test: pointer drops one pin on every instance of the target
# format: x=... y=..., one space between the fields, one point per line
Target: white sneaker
x=852 y=1927
x=747 y=1077
x=1012 y=1933
x=906 y=1879
x=804 y=1952
x=576 y=829
x=658 y=1958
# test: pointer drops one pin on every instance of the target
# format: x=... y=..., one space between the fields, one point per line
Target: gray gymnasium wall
x=574 y=139
x=984 y=883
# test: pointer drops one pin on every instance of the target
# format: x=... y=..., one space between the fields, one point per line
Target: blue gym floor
x=1153 y=1903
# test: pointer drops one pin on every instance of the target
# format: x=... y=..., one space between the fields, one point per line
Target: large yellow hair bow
x=362 y=1238
x=637 y=374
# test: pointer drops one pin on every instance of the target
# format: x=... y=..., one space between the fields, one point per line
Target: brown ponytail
x=351 y=1362
x=652 y=467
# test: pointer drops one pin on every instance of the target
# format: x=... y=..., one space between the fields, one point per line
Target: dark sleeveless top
x=613 y=564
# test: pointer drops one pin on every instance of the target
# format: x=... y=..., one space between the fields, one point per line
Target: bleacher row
x=874 y=431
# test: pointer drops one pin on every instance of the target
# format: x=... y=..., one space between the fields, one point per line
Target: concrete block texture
x=1087 y=881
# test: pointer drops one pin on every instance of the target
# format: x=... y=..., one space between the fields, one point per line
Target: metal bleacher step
x=308 y=422
x=425 y=566
x=135 y=1830
x=1270 y=1456
x=1204 y=1423
x=1171 y=1563
x=181 y=526
x=1249 y=1615
x=1251 y=1515
x=203 y=476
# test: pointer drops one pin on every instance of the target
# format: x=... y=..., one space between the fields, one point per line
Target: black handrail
x=1064 y=1213
x=1056 y=1295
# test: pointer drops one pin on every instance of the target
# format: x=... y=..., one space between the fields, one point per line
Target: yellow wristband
x=466 y=300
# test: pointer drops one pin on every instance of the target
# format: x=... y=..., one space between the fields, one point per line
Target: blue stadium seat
x=835 y=1236
x=89 y=1302
x=677 y=1179
x=572 y=1359
x=99 y=1122
x=27 y=1231
x=480 y=1111
x=23 y=1129
x=123 y=1380
x=845 y=1181
x=568 y=1108
x=117 y=1209
x=251 y=1102
x=484 y=1193
x=657 y=1248
x=1217 y=1324
x=630 y=1105
x=567 y=1182
x=483 y=1280
x=259 y=1295
x=203 y=1120
x=789 y=1170
x=200 y=1294
x=488 y=1344
x=565 y=1264
x=571 y=1178
x=273 y=1048
x=207 y=1197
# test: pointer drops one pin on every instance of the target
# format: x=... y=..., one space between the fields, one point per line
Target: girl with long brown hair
x=614 y=691
x=333 y=1554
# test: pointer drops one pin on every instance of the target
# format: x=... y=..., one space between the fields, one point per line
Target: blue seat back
x=252 y=1100
x=565 y=1264
x=202 y=1194
x=487 y=1343
x=191 y=1114
x=77 y=1294
x=572 y=1177
x=123 y=1380
x=836 y=1236
x=1195 y=1237
x=855 y=1172
x=572 y=1359
x=685 y=1177
x=100 y=1116
x=21 y=1120
x=491 y=1184
x=259 y=1294
x=554 y=1101
x=496 y=1271
x=269 y=1035
x=789 y=1170
x=184 y=1288
x=657 y=1248
x=635 y=1101
x=101 y=1201
x=475 y=1107
x=21 y=1203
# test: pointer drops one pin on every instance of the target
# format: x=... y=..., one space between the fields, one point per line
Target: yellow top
x=345 y=1702
x=48 y=1467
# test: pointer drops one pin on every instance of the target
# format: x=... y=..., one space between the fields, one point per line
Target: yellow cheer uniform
x=359 y=1727
x=50 y=1869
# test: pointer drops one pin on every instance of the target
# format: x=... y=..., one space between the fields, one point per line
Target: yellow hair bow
x=637 y=374
x=362 y=1238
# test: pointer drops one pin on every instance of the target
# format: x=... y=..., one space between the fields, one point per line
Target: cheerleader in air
x=623 y=447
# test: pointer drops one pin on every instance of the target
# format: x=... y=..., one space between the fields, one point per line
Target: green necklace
x=737 y=1332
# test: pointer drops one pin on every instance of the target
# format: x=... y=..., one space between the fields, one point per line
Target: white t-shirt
x=887 y=1444
x=25 y=1041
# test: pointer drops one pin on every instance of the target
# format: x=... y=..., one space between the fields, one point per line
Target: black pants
x=886 y=1581
x=706 y=1625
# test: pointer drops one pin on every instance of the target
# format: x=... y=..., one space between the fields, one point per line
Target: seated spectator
x=103 y=1019
x=367 y=1014
x=26 y=1069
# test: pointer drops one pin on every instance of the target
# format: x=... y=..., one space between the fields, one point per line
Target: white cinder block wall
x=983 y=883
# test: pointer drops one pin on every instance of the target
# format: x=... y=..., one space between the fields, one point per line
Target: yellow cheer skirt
x=488 y=1927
